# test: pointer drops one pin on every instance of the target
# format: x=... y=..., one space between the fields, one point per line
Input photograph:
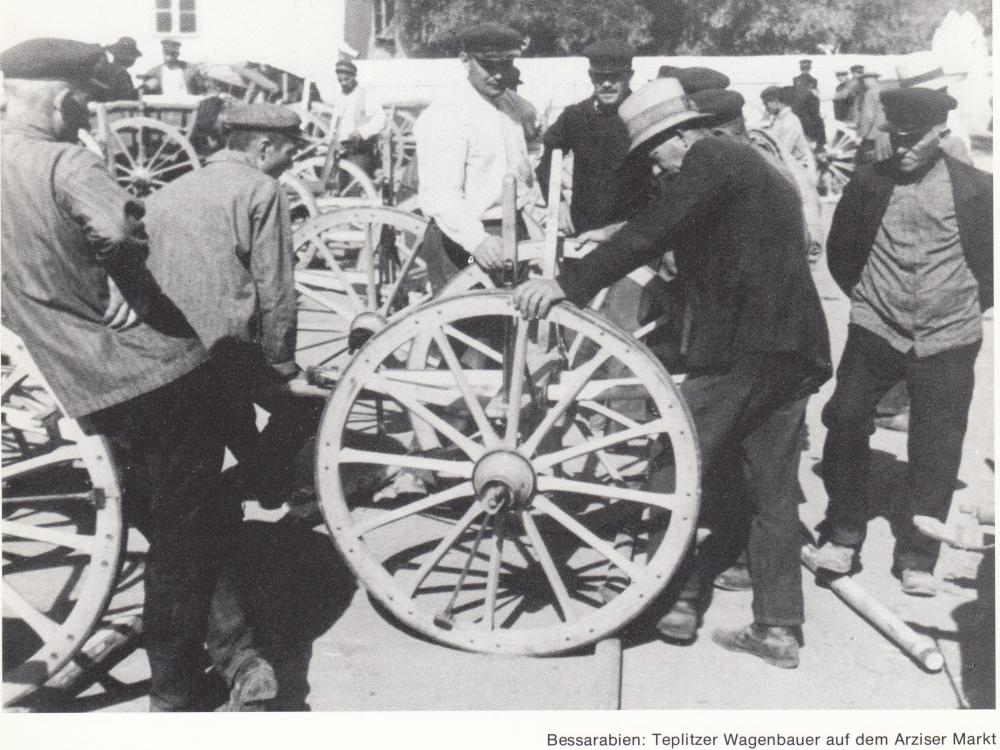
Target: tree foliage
x=688 y=27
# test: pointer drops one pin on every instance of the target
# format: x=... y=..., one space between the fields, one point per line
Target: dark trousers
x=169 y=444
x=753 y=414
x=445 y=258
x=940 y=388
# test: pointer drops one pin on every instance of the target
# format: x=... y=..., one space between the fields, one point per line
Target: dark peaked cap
x=51 y=59
x=695 y=78
x=915 y=109
x=608 y=56
x=491 y=41
x=272 y=117
x=724 y=105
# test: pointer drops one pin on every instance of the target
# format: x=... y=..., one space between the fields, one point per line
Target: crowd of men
x=160 y=324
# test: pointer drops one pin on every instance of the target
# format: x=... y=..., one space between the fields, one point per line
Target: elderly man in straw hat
x=911 y=244
x=118 y=354
x=757 y=343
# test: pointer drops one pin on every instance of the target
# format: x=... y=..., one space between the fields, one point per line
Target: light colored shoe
x=919 y=583
x=835 y=558
x=680 y=624
x=776 y=645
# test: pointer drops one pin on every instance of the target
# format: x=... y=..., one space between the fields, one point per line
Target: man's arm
x=272 y=268
x=842 y=240
x=442 y=147
x=557 y=136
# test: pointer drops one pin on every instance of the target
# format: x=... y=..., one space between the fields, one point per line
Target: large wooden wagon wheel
x=62 y=528
x=836 y=162
x=301 y=202
x=529 y=530
x=352 y=187
x=356 y=268
x=145 y=154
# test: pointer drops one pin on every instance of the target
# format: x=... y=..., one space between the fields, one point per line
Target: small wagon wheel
x=353 y=186
x=62 y=529
x=301 y=201
x=530 y=531
x=836 y=162
x=146 y=154
x=356 y=268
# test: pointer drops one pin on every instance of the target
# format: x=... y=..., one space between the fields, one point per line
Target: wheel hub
x=503 y=476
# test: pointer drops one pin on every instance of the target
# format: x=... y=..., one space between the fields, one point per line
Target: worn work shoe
x=918 y=583
x=835 y=558
x=253 y=686
x=680 y=624
x=777 y=646
x=734 y=578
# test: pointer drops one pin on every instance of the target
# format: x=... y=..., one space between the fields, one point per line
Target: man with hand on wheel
x=756 y=344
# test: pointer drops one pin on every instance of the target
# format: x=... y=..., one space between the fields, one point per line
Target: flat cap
x=723 y=104
x=700 y=79
x=771 y=93
x=168 y=42
x=609 y=56
x=51 y=59
x=914 y=109
x=271 y=117
x=668 y=71
x=805 y=63
x=491 y=41
x=857 y=68
x=125 y=46
x=346 y=65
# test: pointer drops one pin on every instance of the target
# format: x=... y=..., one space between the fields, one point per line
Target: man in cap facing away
x=465 y=147
x=123 y=54
x=754 y=355
x=221 y=248
x=118 y=354
x=357 y=117
x=911 y=244
x=173 y=77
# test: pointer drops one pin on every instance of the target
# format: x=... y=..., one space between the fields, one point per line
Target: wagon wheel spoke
x=549 y=460
x=547 y=483
x=490 y=437
x=45 y=627
x=404 y=273
x=123 y=149
x=479 y=346
x=11 y=500
x=461 y=469
x=159 y=151
x=605 y=549
x=548 y=565
x=417 y=506
x=493 y=571
x=368 y=263
x=185 y=164
x=141 y=143
x=395 y=390
x=443 y=546
x=609 y=413
x=60 y=455
x=50 y=536
x=575 y=384
x=516 y=381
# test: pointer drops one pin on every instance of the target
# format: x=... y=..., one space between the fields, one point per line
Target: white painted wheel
x=146 y=154
x=352 y=187
x=527 y=528
x=62 y=529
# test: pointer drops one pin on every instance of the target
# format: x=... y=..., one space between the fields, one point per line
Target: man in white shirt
x=357 y=118
x=465 y=146
x=174 y=78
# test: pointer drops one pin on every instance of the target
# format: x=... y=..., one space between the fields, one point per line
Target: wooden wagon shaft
x=920 y=647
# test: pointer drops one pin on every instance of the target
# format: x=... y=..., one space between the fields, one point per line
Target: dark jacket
x=866 y=197
x=599 y=143
x=119 y=83
x=735 y=225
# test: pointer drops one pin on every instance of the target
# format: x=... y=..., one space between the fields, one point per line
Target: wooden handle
x=509 y=223
x=920 y=647
x=552 y=227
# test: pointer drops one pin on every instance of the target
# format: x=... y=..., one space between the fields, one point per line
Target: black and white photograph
x=614 y=358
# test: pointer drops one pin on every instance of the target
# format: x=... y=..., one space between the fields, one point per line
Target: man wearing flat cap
x=465 y=147
x=757 y=343
x=118 y=354
x=911 y=244
x=844 y=108
x=123 y=55
x=358 y=118
x=221 y=248
x=805 y=77
x=874 y=144
x=173 y=78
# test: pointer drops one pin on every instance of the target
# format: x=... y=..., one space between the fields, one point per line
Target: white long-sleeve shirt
x=357 y=111
x=465 y=146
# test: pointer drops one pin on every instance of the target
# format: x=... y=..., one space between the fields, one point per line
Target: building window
x=176 y=17
x=384 y=10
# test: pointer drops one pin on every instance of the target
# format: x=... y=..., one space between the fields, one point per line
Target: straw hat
x=658 y=106
x=922 y=70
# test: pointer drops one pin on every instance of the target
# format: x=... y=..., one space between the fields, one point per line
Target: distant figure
x=121 y=56
x=173 y=77
x=358 y=120
x=870 y=118
x=805 y=77
x=805 y=105
x=843 y=97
